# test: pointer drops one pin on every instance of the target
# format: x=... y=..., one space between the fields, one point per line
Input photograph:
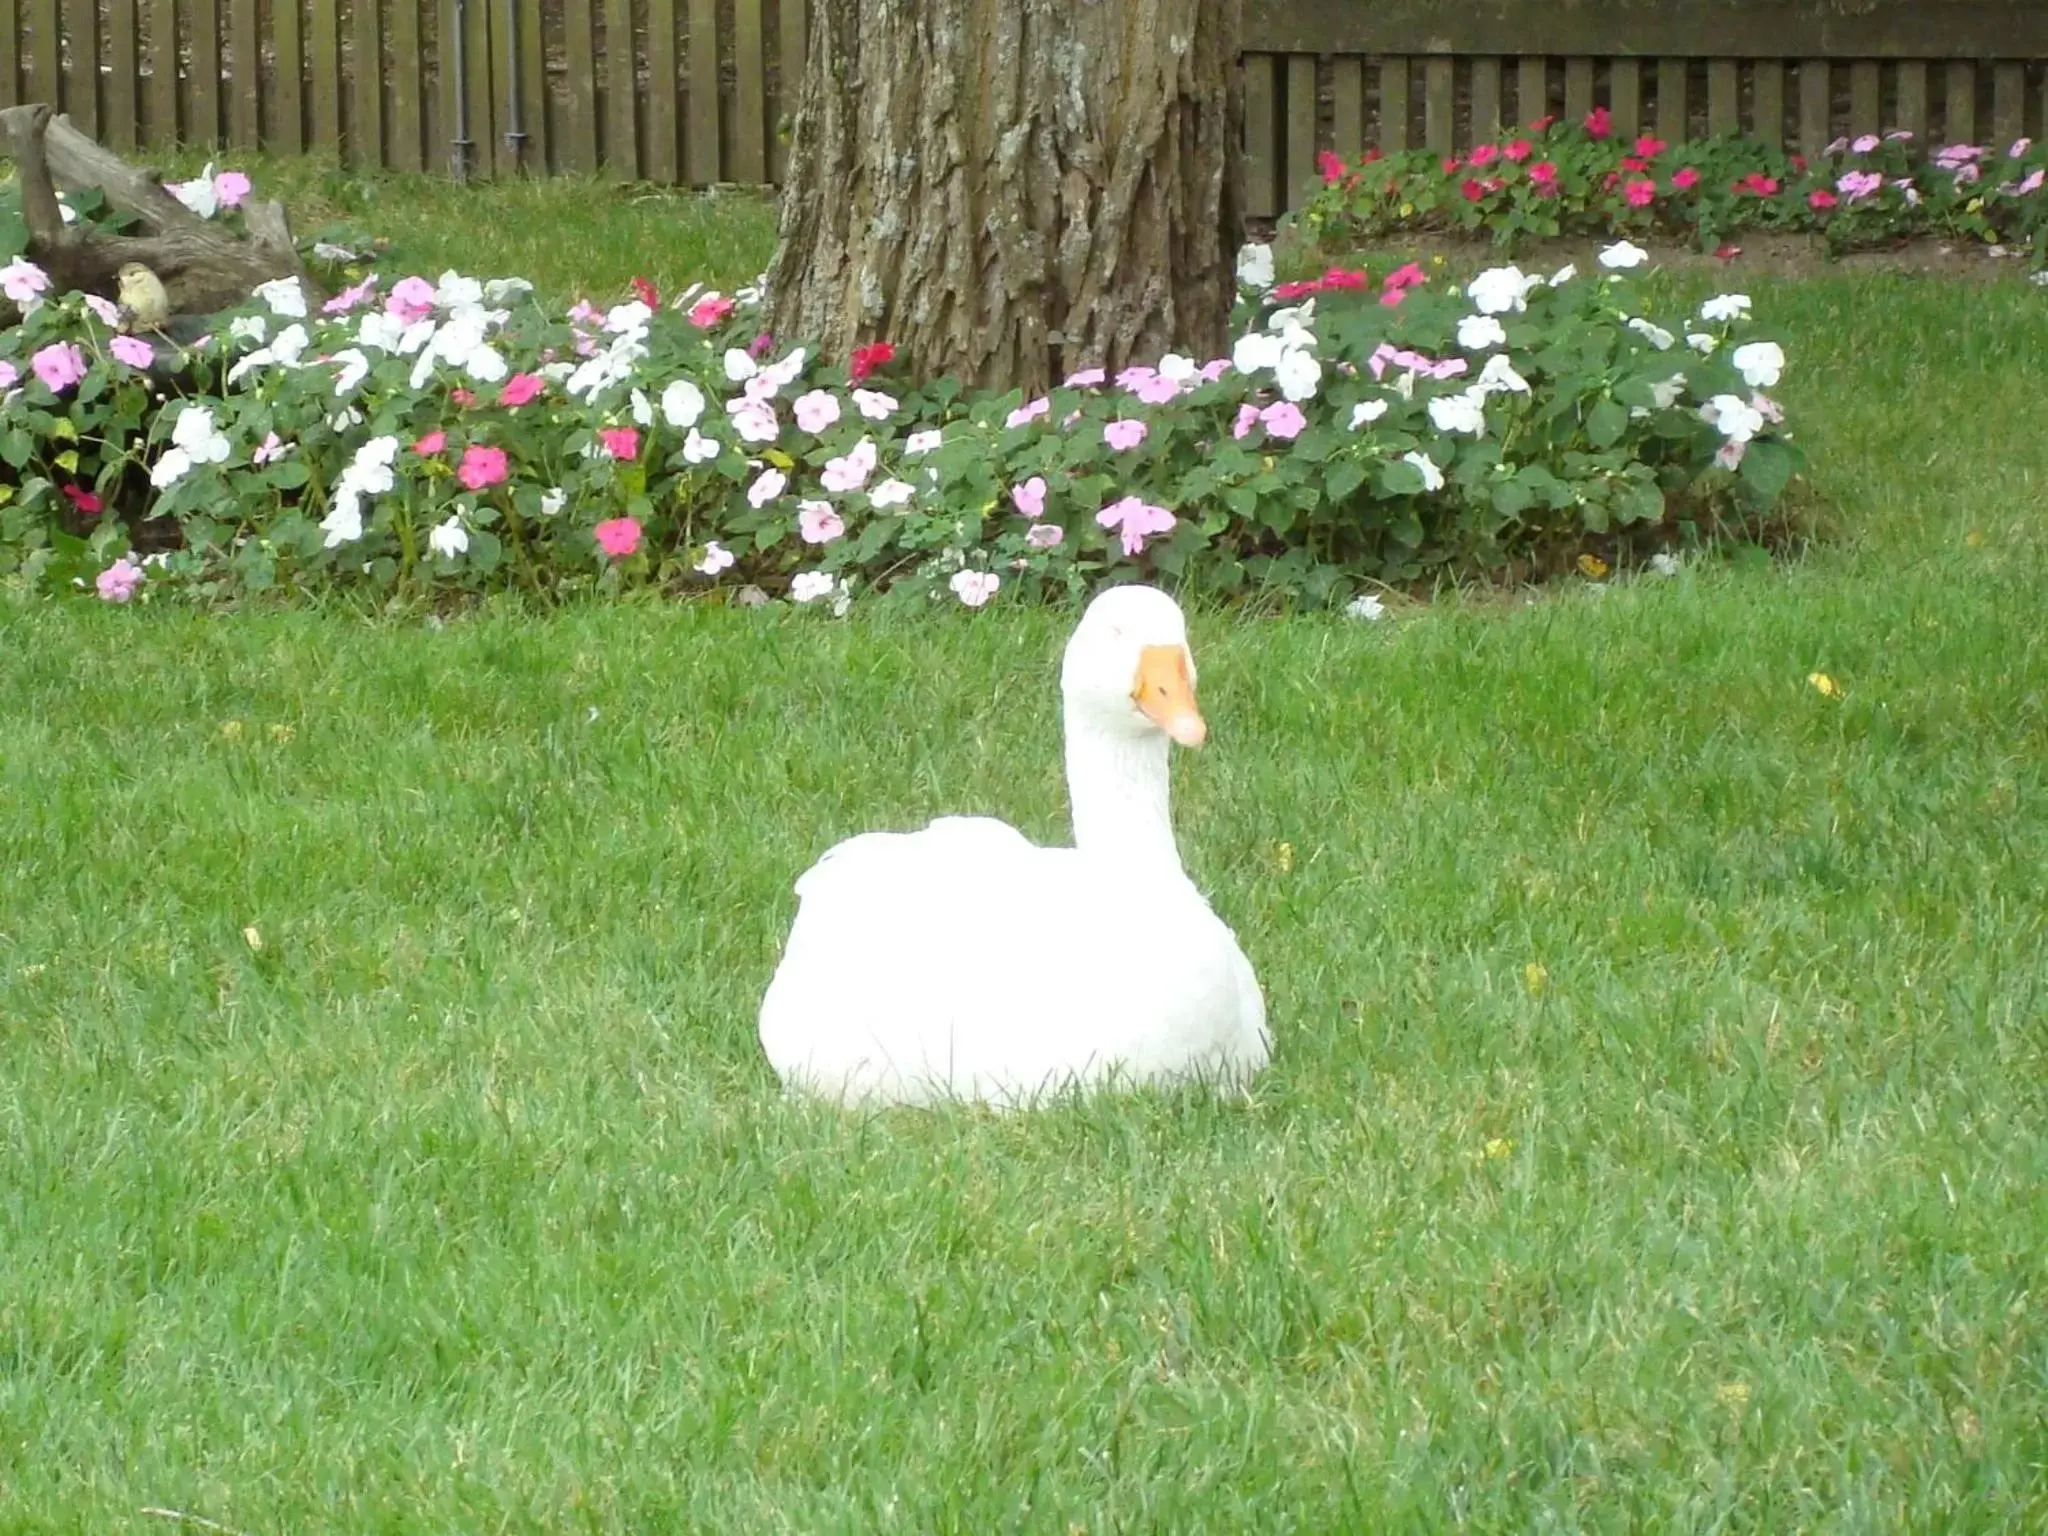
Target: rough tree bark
x=205 y=267
x=1012 y=189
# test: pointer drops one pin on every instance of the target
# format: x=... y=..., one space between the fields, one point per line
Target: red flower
x=1544 y=176
x=88 y=504
x=1820 y=199
x=1409 y=276
x=1332 y=167
x=870 y=357
x=1370 y=156
x=1451 y=166
x=1640 y=194
x=1727 y=252
x=462 y=396
x=1339 y=278
x=1758 y=184
x=1650 y=148
x=1799 y=163
x=431 y=444
x=709 y=310
x=1287 y=293
x=1542 y=124
x=1598 y=123
x=1634 y=163
x=1472 y=190
x=1519 y=150
x=646 y=293
x=1685 y=180
x=1483 y=155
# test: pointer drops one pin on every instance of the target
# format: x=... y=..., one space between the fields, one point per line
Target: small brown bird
x=145 y=305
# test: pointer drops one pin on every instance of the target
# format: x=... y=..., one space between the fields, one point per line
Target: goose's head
x=1128 y=669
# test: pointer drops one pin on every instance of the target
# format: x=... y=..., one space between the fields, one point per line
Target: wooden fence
x=694 y=90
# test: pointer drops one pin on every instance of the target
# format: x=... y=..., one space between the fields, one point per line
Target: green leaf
x=288 y=474
x=1605 y=423
x=1346 y=476
x=1767 y=470
x=16 y=447
x=1242 y=500
x=1512 y=497
x=1637 y=501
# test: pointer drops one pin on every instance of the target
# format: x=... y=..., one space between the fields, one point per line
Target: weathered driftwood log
x=205 y=266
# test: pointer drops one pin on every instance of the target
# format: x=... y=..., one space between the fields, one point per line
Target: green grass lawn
x=1655 y=1138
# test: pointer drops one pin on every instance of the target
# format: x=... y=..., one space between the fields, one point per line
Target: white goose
x=965 y=962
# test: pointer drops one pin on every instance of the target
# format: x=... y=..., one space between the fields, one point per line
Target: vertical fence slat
x=245 y=90
x=505 y=154
x=407 y=151
x=1866 y=112
x=284 y=127
x=160 y=92
x=1767 y=101
x=1816 y=105
x=1625 y=96
x=1912 y=113
x=1394 y=105
x=1261 y=146
x=661 y=88
x=82 y=69
x=1347 y=106
x=700 y=140
x=1578 y=89
x=580 y=154
x=2008 y=103
x=10 y=53
x=620 y=134
x=483 y=126
x=1439 y=102
x=42 y=50
x=1724 y=97
x=202 y=75
x=447 y=152
x=1532 y=89
x=750 y=93
x=1673 y=111
x=790 y=45
x=1959 y=103
x=118 y=131
x=366 y=99
x=537 y=154
x=1485 y=100
x=323 y=57
x=1301 y=128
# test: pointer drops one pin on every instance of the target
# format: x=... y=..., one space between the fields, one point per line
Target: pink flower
x=410 y=299
x=1028 y=412
x=1156 y=390
x=109 y=314
x=974 y=587
x=1135 y=520
x=1859 y=184
x=431 y=444
x=617 y=536
x=1649 y=148
x=481 y=466
x=1409 y=276
x=2031 y=182
x=9 y=374
x=132 y=350
x=1640 y=194
x=1283 y=420
x=817 y=410
x=1866 y=143
x=620 y=442
x=1247 y=418
x=2019 y=148
x=771 y=484
x=272 y=447
x=117 y=583
x=1044 y=535
x=818 y=523
x=709 y=310
x=1214 y=369
x=1332 y=167
x=1124 y=434
x=463 y=397
x=1519 y=150
x=349 y=298
x=1029 y=496
x=88 y=504
x=521 y=388
x=1543 y=176
x=850 y=471
x=1482 y=156
x=1598 y=123
x=59 y=365
x=716 y=558
x=754 y=420
x=1085 y=378
x=1820 y=199
x=1685 y=179
x=230 y=187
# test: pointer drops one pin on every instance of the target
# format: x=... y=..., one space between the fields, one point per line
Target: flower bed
x=1580 y=179
x=457 y=435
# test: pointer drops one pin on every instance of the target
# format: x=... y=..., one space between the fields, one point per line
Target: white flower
x=1500 y=290
x=892 y=493
x=284 y=296
x=738 y=366
x=1365 y=606
x=1663 y=564
x=1761 y=363
x=1478 y=332
x=198 y=193
x=1726 y=306
x=922 y=442
x=1457 y=413
x=975 y=587
x=1178 y=368
x=1733 y=417
x=194 y=432
x=1255 y=267
x=327 y=250
x=809 y=586
x=24 y=282
x=1622 y=256
x=1653 y=333
x=354 y=368
x=643 y=413
x=289 y=346
x=1496 y=377
x=682 y=404
x=1432 y=477
x=383 y=331
x=343 y=523
x=626 y=318
x=1256 y=351
x=171 y=467
x=1298 y=374
x=699 y=449
x=449 y=539
x=458 y=292
x=249 y=328
x=1665 y=393
x=1293 y=322
x=786 y=371
x=874 y=405
x=1365 y=411
x=754 y=420
x=770 y=485
x=500 y=289
x=1563 y=275
x=553 y=500
x=485 y=365
x=716 y=558
x=1701 y=342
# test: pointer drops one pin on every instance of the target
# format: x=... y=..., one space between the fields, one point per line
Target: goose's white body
x=963 y=961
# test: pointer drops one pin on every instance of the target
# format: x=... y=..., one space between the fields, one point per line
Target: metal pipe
x=515 y=121
x=462 y=143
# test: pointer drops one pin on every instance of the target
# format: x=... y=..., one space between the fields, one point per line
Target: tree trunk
x=1009 y=190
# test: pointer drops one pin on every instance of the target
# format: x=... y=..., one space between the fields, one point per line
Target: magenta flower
x=1135 y=520
x=410 y=299
x=620 y=442
x=230 y=187
x=59 y=365
x=817 y=523
x=482 y=466
x=709 y=310
x=617 y=536
x=117 y=583
x=521 y=388
x=1247 y=418
x=431 y=444
x=132 y=350
x=1283 y=420
x=1124 y=433
x=1029 y=496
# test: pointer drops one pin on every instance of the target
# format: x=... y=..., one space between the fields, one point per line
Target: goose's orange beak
x=1165 y=691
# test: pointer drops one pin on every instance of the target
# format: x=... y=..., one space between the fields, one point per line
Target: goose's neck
x=1117 y=781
